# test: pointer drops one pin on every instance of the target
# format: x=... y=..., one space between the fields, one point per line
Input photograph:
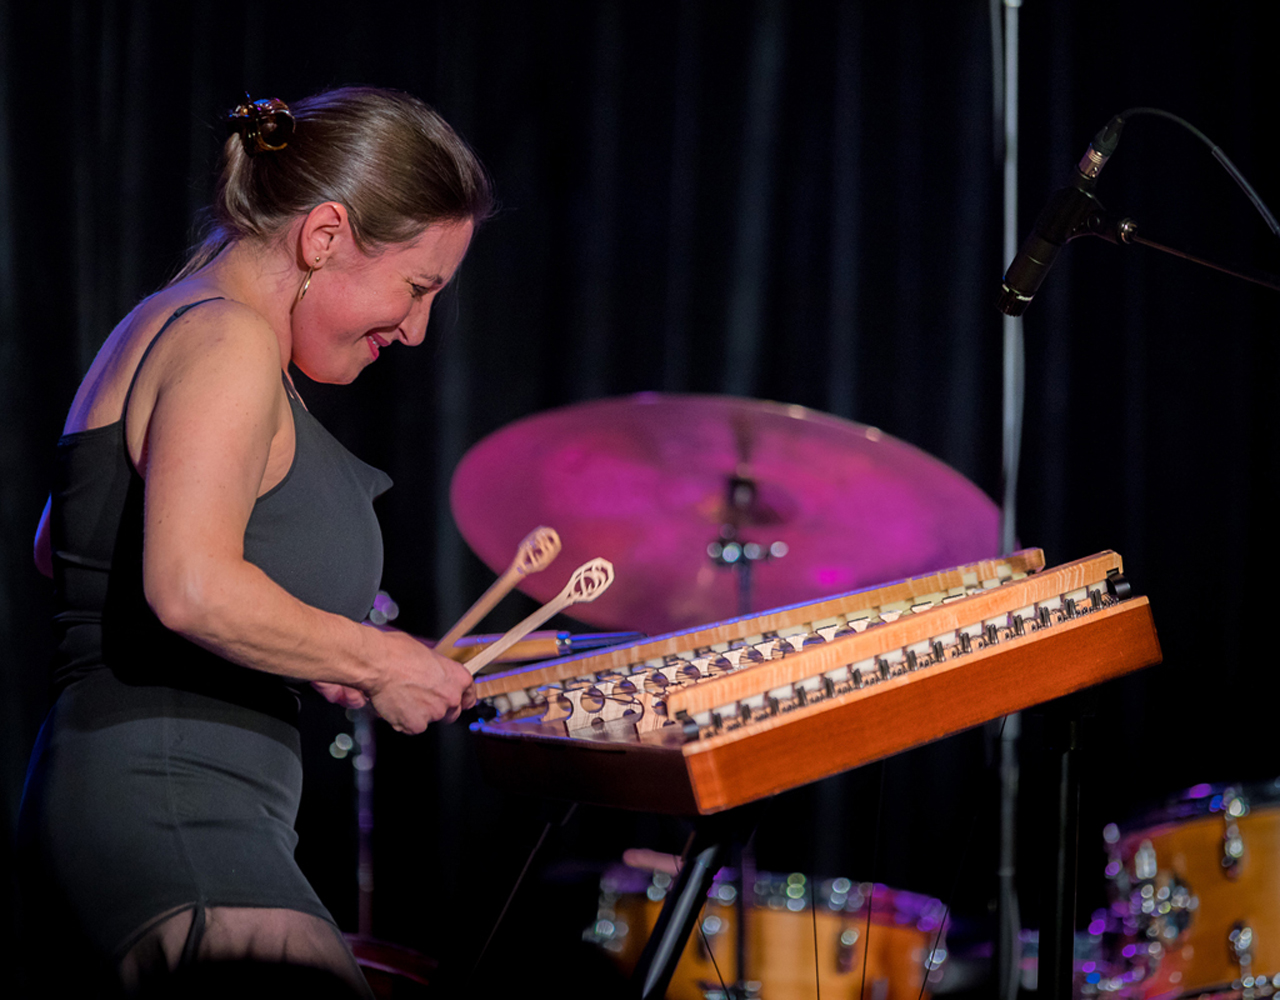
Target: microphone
x=1063 y=218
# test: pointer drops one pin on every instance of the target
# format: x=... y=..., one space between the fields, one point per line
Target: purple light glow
x=832 y=576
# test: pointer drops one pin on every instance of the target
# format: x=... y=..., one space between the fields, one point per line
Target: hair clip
x=265 y=126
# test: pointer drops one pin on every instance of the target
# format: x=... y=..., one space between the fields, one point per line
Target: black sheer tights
x=240 y=952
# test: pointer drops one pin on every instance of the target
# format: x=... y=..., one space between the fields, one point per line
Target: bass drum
x=780 y=936
x=1195 y=895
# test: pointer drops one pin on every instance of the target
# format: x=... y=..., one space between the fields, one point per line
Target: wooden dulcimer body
x=704 y=720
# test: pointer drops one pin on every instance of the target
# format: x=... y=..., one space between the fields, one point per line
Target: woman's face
x=357 y=304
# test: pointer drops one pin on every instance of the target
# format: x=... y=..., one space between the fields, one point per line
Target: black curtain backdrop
x=793 y=201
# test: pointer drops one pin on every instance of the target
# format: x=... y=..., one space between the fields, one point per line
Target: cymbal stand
x=728 y=550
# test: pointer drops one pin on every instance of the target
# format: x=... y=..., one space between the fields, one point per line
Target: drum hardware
x=731 y=553
x=1089 y=961
x=779 y=927
x=1190 y=910
x=741 y=508
x=1241 y=941
x=844 y=957
x=1154 y=908
x=1234 y=806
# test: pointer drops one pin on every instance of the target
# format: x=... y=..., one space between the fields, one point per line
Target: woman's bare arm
x=216 y=408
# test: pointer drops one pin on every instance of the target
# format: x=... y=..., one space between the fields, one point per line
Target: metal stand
x=729 y=550
x=1124 y=232
x=1008 y=945
x=712 y=843
x=1058 y=901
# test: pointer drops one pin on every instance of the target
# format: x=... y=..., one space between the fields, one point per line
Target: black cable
x=1218 y=155
x=714 y=964
x=516 y=888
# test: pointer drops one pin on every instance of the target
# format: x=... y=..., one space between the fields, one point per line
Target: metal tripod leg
x=1057 y=925
x=712 y=841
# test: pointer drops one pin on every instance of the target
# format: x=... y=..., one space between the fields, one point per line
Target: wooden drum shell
x=1224 y=899
x=781 y=953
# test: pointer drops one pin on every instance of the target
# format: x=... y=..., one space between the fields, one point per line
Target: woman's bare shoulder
x=213 y=342
x=212 y=386
x=195 y=307
x=198 y=324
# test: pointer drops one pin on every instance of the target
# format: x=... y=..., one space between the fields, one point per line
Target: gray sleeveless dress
x=165 y=777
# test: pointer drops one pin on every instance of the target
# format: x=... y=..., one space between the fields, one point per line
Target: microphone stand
x=1057 y=931
x=1125 y=232
x=1097 y=221
x=1007 y=950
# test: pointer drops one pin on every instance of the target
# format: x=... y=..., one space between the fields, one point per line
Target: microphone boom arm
x=1124 y=232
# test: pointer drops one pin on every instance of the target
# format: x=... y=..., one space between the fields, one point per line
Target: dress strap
x=177 y=314
x=291 y=390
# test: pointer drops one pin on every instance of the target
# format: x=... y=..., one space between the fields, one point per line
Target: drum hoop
x=890 y=907
x=1200 y=801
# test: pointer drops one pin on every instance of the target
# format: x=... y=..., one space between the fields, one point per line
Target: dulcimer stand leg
x=712 y=845
x=1058 y=906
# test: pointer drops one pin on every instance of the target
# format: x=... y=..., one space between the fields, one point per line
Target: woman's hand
x=341 y=694
x=418 y=686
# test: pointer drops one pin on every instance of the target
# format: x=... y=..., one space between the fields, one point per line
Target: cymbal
x=651 y=481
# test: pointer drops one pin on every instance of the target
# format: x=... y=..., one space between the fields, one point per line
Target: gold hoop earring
x=306 y=283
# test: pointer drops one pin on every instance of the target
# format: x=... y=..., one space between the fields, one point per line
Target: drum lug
x=1157 y=911
x=1234 y=807
x=1232 y=852
x=845 y=951
x=1144 y=862
x=1241 y=942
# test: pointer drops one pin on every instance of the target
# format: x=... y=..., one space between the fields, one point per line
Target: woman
x=211 y=543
